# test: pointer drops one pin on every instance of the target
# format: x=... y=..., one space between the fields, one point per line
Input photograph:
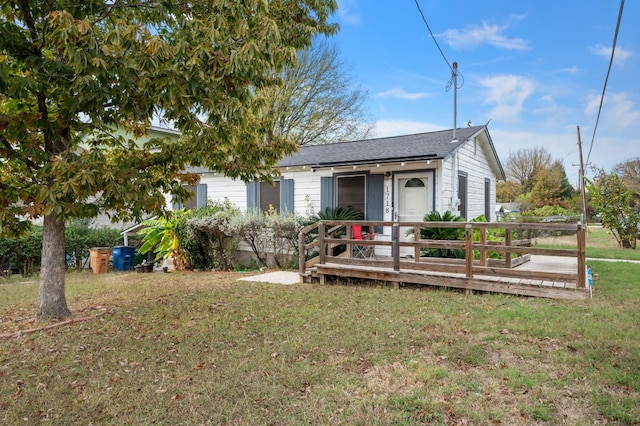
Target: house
x=397 y=178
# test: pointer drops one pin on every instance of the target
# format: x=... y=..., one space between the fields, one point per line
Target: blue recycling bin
x=122 y=257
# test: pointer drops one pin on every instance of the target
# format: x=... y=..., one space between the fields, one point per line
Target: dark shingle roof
x=421 y=146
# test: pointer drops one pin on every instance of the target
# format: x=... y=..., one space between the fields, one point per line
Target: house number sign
x=388 y=204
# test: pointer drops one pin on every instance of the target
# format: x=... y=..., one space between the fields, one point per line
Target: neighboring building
x=153 y=132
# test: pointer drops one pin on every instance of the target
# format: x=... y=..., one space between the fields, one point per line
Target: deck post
x=321 y=246
x=468 y=231
x=483 y=241
x=395 y=247
x=302 y=266
x=582 y=258
x=507 y=242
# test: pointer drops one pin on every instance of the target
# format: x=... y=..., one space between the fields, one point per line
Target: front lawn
x=203 y=348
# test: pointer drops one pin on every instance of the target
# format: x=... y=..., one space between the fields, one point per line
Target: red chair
x=362 y=251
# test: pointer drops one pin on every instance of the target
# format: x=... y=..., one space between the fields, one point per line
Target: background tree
x=629 y=172
x=74 y=72
x=612 y=201
x=551 y=187
x=524 y=165
x=534 y=179
x=317 y=102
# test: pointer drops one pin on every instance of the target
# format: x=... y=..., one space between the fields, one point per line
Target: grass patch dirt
x=203 y=348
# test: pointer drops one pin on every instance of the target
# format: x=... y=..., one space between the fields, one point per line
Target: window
x=279 y=194
x=269 y=196
x=351 y=192
x=198 y=200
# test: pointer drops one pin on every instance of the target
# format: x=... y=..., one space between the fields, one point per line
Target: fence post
x=321 y=246
x=468 y=234
x=483 y=241
x=582 y=258
x=395 y=247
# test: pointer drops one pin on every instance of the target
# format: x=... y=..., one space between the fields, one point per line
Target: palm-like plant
x=442 y=234
x=161 y=236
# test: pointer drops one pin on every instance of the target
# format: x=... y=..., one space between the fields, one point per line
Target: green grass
x=203 y=348
x=600 y=244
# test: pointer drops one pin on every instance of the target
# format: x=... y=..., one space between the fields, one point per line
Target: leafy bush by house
x=272 y=236
x=208 y=238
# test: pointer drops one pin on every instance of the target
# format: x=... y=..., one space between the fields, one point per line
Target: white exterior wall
x=471 y=159
x=220 y=188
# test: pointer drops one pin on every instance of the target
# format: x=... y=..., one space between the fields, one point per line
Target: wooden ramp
x=509 y=285
x=503 y=265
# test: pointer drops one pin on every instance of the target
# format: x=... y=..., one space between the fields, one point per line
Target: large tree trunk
x=52 y=302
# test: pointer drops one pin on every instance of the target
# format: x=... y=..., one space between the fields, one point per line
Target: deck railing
x=331 y=241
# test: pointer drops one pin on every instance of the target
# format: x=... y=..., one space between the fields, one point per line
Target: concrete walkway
x=276 y=277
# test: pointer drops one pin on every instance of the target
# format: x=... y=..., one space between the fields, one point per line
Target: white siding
x=220 y=188
x=471 y=159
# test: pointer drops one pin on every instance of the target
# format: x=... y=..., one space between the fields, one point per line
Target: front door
x=414 y=201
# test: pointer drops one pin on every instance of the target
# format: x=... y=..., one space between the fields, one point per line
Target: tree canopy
x=317 y=102
x=72 y=74
x=613 y=202
x=535 y=178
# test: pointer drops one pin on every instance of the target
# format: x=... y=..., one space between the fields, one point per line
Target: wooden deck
x=523 y=270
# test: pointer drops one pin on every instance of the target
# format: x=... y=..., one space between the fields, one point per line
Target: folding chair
x=362 y=251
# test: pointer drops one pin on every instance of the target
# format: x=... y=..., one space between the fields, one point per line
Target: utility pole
x=455 y=99
x=583 y=192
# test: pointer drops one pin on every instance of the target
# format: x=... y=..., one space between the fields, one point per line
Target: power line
x=613 y=49
x=432 y=36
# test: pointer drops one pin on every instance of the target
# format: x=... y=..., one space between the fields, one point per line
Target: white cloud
x=620 y=56
x=485 y=33
x=618 y=111
x=386 y=128
x=507 y=94
x=570 y=70
x=402 y=94
x=346 y=12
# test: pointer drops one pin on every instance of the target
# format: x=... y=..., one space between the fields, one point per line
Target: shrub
x=269 y=233
x=208 y=237
x=21 y=254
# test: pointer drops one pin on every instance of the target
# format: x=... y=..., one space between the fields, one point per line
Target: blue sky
x=536 y=69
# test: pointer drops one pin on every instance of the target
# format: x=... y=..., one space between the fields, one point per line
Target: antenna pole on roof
x=455 y=99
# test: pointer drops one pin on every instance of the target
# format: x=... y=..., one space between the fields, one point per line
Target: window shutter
x=253 y=196
x=327 y=193
x=201 y=195
x=286 y=196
